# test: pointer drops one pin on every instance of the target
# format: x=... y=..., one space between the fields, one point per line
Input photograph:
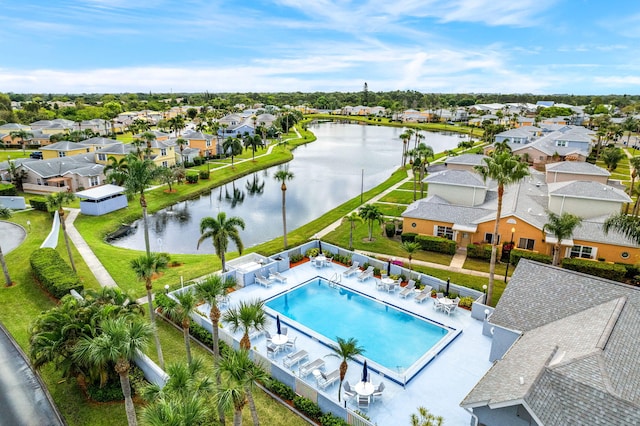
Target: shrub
x=330 y=419
x=280 y=389
x=7 y=190
x=111 y=391
x=198 y=161
x=390 y=229
x=632 y=270
x=204 y=174
x=479 y=251
x=192 y=178
x=53 y=273
x=39 y=203
x=307 y=407
x=408 y=236
x=294 y=258
x=610 y=271
x=437 y=244
x=516 y=255
x=312 y=252
x=466 y=302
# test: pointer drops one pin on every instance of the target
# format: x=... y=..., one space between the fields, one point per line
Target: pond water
x=345 y=159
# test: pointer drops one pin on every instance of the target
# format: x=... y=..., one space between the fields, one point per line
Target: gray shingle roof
x=591 y=190
x=576 y=167
x=59 y=166
x=456 y=177
x=63 y=146
x=467 y=159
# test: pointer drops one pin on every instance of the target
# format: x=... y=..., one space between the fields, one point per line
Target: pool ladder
x=335 y=280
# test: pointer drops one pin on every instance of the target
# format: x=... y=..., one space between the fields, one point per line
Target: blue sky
x=496 y=46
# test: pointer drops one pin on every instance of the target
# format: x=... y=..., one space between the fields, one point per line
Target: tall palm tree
x=246 y=316
x=140 y=174
x=231 y=394
x=423 y=153
x=181 y=144
x=505 y=169
x=23 y=135
x=145 y=267
x=121 y=340
x=611 y=157
x=56 y=201
x=221 y=230
x=210 y=290
x=116 y=170
x=561 y=226
x=5 y=213
x=180 y=313
x=629 y=226
x=232 y=146
x=411 y=247
x=237 y=367
x=371 y=214
x=148 y=138
x=353 y=218
x=346 y=350
x=282 y=176
x=405 y=138
x=252 y=142
x=634 y=162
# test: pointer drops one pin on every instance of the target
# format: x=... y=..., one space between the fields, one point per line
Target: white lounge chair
x=277 y=276
x=424 y=294
x=407 y=290
x=351 y=270
x=327 y=380
x=264 y=282
x=295 y=358
x=366 y=274
x=306 y=369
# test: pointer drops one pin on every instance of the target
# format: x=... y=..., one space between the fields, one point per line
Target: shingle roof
x=63 y=146
x=467 y=159
x=576 y=167
x=584 y=189
x=59 y=166
x=578 y=354
x=456 y=177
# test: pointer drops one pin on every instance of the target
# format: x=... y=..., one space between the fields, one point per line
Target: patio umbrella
x=278 y=323
x=320 y=246
x=364 y=371
x=388 y=267
x=447 y=291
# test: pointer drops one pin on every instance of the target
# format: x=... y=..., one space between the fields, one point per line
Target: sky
x=582 y=47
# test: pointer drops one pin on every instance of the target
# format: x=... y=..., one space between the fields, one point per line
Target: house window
x=62 y=154
x=583 y=251
x=444 y=232
x=624 y=255
x=94 y=181
x=526 y=243
x=561 y=143
x=163 y=152
x=165 y=164
x=39 y=181
x=208 y=143
x=102 y=157
x=488 y=237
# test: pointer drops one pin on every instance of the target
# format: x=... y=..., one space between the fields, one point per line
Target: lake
x=345 y=159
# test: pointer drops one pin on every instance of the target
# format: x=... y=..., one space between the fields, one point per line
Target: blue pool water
x=392 y=338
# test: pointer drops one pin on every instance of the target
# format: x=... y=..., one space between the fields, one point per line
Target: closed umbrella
x=364 y=372
x=447 y=291
x=278 y=323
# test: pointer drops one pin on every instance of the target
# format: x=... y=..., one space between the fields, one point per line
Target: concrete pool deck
x=440 y=386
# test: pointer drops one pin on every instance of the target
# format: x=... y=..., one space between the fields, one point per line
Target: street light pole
x=506 y=273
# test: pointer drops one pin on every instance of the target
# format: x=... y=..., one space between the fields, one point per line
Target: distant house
x=465 y=162
x=207 y=145
x=565 y=352
x=64 y=149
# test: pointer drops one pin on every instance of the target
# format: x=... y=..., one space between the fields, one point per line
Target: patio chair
x=327 y=380
x=328 y=262
x=348 y=391
x=351 y=270
x=268 y=336
x=450 y=308
x=307 y=368
x=363 y=401
x=379 y=285
x=424 y=294
x=277 y=276
x=391 y=288
x=284 y=330
x=378 y=391
x=291 y=343
x=272 y=350
x=295 y=358
x=264 y=282
x=366 y=274
x=407 y=290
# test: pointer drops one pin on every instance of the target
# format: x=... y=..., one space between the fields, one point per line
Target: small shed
x=102 y=199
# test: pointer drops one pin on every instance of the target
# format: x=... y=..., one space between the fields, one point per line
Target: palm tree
x=180 y=313
x=209 y=290
x=423 y=153
x=232 y=146
x=23 y=135
x=148 y=138
x=247 y=316
x=221 y=230
x=353 y=218
x=425 y=418
x=55 y=201
x=139 y=176
x=561 y=227
x=253 y=142
x=410 y=247
x=504 y=168
x=5 y=213
x=145 y=267
x=405 y=138
x=121 y=340
x=629 y=226
x=370 y=213
x=282 y=176
x=116 y=170
x=231 y=394
x=345 y=350
x=634 y=162
x=181 y=144
x=611 y=157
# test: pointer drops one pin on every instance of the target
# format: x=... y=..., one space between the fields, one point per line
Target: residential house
x=52 y=127
x=461 y=207
x=464 y=162
x=564 y=346
x=565 y=171
x=162 y=152
x=205 y=144
x=64 y=149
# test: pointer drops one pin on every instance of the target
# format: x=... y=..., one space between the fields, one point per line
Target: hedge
x=192 y=178
x=479 y=251
x=437 y=244
x=204 y=174
x=7 y=190
x=516 y=255
x=53 y=272
x=408 y=236
x=39 y=203
x=610 y=271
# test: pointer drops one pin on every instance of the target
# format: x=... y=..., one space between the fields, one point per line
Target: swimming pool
x=398 y=342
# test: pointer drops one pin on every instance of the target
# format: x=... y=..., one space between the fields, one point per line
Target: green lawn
x=400 y=197
x=391 y=210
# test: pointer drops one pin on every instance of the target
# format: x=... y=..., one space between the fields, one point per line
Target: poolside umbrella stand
x=364 y=371
x=447 y=290
x=278 y=324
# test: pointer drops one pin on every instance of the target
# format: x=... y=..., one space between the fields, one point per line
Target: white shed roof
x=100 y=192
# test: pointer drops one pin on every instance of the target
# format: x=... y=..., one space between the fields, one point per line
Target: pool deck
x=440 y=386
